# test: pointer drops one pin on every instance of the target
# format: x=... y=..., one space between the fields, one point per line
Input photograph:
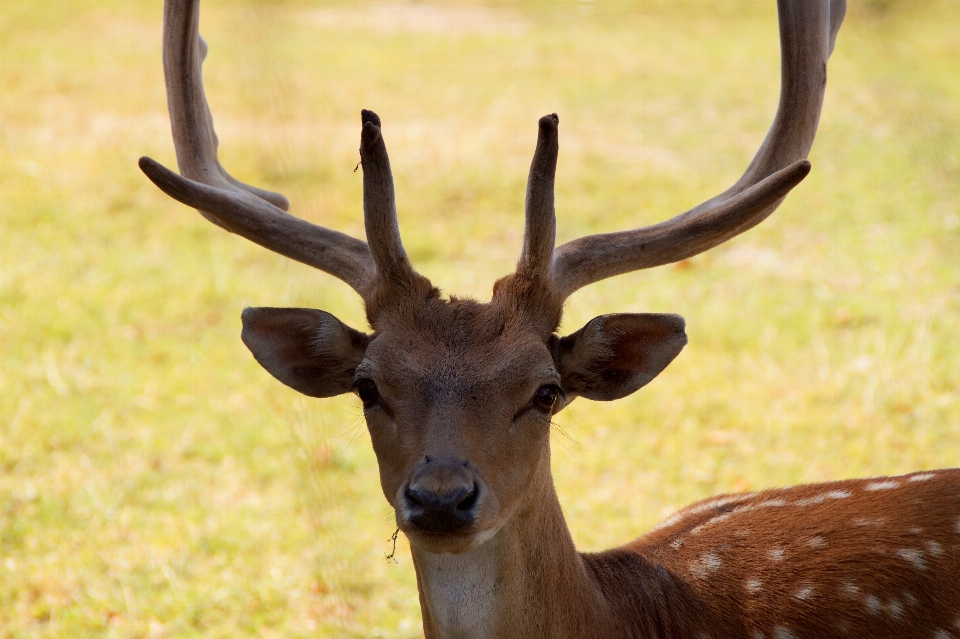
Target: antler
x=256 y=214
x=540 y=230
x=808 y=29
x=379 y=205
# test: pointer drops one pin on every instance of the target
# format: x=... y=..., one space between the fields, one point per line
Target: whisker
x=569 y=452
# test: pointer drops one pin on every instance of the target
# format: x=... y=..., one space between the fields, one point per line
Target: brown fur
x=872 y=557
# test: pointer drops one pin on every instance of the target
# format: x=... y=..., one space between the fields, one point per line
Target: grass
x=155 y=482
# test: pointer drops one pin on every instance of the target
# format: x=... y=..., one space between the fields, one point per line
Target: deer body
x=794 y=562
x=872 y=557
x=856 y=558
x=458 y=396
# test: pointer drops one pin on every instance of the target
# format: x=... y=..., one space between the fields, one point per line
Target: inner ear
x=308 y=350
x=614 y=355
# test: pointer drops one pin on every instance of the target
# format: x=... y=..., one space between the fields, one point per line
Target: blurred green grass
x=155 y=482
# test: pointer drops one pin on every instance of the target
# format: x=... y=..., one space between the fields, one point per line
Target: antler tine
x=379 y=204
x=808 y=29
x=540 y=230
x=253 y=213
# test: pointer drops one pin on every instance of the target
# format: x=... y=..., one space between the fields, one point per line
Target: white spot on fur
x=915 y=531
x=710 y=522
x=759 y=635
x=934 y=548
x=817 y=541
x=676 y=544
x=711 y=560
x=719 y=502
x=867 y=521
x=771 y=503
x=872 y=603
x=914 y=557
x=839 y=494
x=922 y=477
x=754 y=585
x=956 y=526
x=809 y=501
x=910 y=598
x=719 y=518
x=850 y=589
x=882 y=485
x=707 y=563
x=956 y=623
x=782 y=632
x=775 y=554
x=804 y=593
x=895 y=608
x=942 y=634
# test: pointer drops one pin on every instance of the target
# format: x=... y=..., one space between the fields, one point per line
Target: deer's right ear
x=308 y=350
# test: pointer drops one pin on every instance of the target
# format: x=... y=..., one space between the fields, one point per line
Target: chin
x=448 y=543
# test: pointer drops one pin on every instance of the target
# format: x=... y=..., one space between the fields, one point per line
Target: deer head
x=458 y=394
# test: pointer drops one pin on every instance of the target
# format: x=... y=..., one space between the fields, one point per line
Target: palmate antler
x=807 y=34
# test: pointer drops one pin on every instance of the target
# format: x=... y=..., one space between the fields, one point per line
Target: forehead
x=457 y=343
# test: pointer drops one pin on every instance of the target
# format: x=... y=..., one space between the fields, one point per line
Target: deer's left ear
x=308 y=350
x=614 y=355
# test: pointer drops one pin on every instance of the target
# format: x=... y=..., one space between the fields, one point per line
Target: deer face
x=458 y=397
x=459 y=415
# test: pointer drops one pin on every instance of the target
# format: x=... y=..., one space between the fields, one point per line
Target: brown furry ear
x=615 y=355
x=308 y=350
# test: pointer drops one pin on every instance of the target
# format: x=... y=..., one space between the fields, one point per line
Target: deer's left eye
x=546 y=397
x=366 y=390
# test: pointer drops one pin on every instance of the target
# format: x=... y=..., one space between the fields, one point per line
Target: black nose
x=442 y=496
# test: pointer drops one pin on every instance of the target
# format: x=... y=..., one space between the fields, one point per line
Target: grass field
x=155 y=482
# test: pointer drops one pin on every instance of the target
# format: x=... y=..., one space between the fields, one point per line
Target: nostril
x=469 y=500
x=414 y=497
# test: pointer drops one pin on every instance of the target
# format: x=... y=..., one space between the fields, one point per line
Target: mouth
x=456 y=532
x=447 y=543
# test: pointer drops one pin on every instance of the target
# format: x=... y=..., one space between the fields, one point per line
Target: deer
x=458 y=396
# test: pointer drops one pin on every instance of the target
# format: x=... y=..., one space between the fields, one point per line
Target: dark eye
x=367 y=391
x=546 y=397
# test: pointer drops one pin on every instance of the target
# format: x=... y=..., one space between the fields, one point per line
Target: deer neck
x=526 y=581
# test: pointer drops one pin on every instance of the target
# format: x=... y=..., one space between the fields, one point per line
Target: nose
x=442 y=496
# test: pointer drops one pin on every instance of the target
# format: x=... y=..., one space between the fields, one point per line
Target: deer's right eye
x=367 y=391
